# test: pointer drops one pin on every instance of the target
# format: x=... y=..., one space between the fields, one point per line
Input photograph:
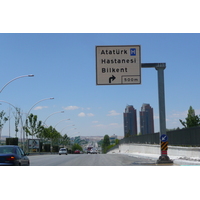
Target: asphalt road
x=89 y=160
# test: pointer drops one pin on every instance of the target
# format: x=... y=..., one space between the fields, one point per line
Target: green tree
x=105 y=143
x=17 y=116
x=44 y=134
x=191 y=120
x=106 y=140
x=33 y=127
x=116 y=141
x=3 y=120
x=65 y=140
x=50 y=133
x=76 y=147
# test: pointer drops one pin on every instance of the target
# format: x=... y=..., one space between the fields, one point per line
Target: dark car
x=12 y=155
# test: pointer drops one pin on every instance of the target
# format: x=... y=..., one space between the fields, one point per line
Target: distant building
x=146 y=119
x=130 y=121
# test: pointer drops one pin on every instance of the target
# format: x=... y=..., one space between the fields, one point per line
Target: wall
x=155 y=149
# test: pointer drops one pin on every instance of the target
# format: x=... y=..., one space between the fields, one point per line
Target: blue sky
x=64 y=67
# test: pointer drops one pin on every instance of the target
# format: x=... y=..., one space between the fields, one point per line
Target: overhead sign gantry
x=121 y=65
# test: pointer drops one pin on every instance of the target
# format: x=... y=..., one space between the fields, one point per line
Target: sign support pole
x=161 y=98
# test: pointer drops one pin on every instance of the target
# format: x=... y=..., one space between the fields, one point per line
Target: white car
x=93 y=151
x=63 y=151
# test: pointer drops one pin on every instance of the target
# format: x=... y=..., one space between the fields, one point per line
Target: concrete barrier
x=155 y=149
x=41 y=153
x=184 y=151
x=139 y=148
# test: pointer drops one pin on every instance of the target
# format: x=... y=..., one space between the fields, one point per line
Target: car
x=62 y=151
x=89 y=149
x=93 y=151
x=11 y=155
x=77 y=151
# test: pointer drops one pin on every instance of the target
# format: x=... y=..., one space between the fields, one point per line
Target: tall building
x=130 y=121
x=146 y=119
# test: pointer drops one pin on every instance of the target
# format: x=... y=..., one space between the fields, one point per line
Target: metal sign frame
x=33 y=143
x=160 y=67
x=110 y=78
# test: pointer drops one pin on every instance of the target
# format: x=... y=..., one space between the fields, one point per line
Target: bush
x=55 y=149
x=41 y=144
x=47 y=147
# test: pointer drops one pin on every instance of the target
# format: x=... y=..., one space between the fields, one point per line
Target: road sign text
x=117 y=61
x=114 y=70
x=122 y=62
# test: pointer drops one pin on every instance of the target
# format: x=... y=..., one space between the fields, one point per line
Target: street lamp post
x=37 y=103
x=32 y=107
x=66 y=127
x=29 y=75
x=52 y=114
x=16 y=111
x=74 y=133
x=61 y=121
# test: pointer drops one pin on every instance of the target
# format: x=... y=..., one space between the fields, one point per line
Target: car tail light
x=11 y=158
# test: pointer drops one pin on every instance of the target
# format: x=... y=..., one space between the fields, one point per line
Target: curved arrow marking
x=112 y=78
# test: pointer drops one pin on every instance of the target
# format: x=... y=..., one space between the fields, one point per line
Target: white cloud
x=82 y=114
x=111 y=125
x=114 y=124
x=113 y=113
x=173 y=118
x=90 y=114
x=100 y=125
x=40 y=107
x=181 y=114
x=155 y=117
x=177 y=115
x=71 y=108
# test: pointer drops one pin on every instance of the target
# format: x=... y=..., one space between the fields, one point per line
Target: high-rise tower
x=146 y=119
x=130 y=121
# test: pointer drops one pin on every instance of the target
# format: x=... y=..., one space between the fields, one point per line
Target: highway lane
x=89 y=160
